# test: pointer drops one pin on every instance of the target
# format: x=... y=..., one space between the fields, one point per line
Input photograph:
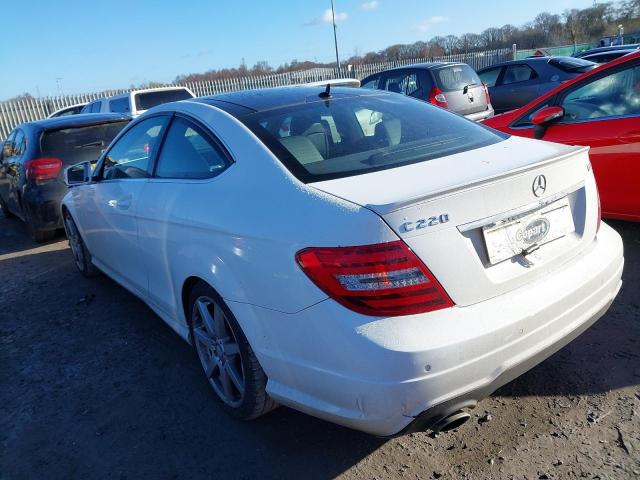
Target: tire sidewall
x=251 y=384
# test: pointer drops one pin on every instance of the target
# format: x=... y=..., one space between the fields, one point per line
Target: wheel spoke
x=235 y=378
x=206 y=317
x=210 y=367
x=225 y=381
x=220 y=327
x=203 y=338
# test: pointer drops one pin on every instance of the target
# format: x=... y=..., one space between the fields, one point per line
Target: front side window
x=490 y=77
x=131 y=154
x=188 y=153
x=397 y=83
x=615 y=95
x=517 y=73
x=7 y=146
x=119 y=105
x=19 y=144
x=376 y=132
x=371 y=83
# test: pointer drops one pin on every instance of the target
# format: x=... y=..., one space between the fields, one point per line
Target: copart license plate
x=512 y=236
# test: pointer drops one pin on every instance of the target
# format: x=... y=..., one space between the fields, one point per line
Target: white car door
x=109 y=214
x=185 y=171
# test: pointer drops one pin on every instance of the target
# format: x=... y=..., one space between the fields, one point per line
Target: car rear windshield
x=572 y=65
x=352 y=135
x=79 y=144
x=456 y=77
x=147 y=100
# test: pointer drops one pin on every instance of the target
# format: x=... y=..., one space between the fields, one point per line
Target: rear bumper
x=476 y=117
x=384 y=375
x=43 y=204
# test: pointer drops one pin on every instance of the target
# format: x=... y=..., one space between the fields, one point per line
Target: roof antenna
x=327 y=92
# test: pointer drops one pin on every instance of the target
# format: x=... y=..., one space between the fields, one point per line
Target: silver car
x=454 y=86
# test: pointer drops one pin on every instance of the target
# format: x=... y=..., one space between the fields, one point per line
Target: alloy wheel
x=218 y=350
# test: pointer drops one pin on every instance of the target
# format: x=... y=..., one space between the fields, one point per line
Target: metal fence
x=564 y=50
x=15 y=112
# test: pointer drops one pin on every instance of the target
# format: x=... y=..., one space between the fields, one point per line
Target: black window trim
x=97 y=173
x=202 y=130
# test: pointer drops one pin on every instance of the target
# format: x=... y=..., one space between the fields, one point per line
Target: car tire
x=230 y=365
x=81 y=255
x=5 y=209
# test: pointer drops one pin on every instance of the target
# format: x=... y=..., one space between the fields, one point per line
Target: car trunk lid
x=445 y=210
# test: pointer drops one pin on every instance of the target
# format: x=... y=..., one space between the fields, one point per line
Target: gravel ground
x=94 y=385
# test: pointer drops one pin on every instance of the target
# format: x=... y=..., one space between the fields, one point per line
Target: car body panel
x=614 y=142
x=240 y=231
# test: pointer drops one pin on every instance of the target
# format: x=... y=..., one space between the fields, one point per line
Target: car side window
x=517 y=73
x=19 y=144
x=189 y=153
x=615 y=95
x=371 y=83
x=130 y=155
x=119 y=105
x=97 y=106
x=397 y=83
x=490 y=77
x=7 y=147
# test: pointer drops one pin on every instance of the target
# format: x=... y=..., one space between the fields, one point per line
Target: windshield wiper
x=97 y=143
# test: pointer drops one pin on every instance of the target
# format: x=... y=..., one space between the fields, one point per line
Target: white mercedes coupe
x=358 y=255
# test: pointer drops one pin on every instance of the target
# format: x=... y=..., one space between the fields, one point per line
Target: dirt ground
x=94 y=385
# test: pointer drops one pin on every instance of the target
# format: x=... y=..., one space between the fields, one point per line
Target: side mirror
x=543 y=118
x=78 y=174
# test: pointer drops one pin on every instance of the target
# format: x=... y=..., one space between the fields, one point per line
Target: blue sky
x=96 y=45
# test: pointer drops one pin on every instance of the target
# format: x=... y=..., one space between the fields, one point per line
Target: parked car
x=33 y=157
x=604 y=57
x=137 y=102
x=383 y=264
x=453 y=86
x=517 y=82
x=70 y=110
x=610 y=48
x=600 y=109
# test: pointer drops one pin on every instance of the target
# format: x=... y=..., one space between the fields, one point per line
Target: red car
x=601 y=109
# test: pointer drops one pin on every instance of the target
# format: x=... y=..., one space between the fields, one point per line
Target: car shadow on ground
x=94 y=384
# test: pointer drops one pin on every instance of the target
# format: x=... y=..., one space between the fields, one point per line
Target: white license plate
x=512 y=236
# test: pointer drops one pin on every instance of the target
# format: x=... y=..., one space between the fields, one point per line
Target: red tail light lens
x=437 y=98
x=383 y=279
x=43 y=169
x=486 y=94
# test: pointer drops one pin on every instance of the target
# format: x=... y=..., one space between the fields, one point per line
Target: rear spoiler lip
x=385 y=209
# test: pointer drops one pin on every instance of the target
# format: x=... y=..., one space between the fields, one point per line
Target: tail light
x=383 y=279
x=43 y=169
x=487 y=97
x=437 y=98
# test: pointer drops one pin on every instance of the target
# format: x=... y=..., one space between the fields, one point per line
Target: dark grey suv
x=454 y=86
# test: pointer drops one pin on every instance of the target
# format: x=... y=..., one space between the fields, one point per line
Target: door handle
x=123 y=203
